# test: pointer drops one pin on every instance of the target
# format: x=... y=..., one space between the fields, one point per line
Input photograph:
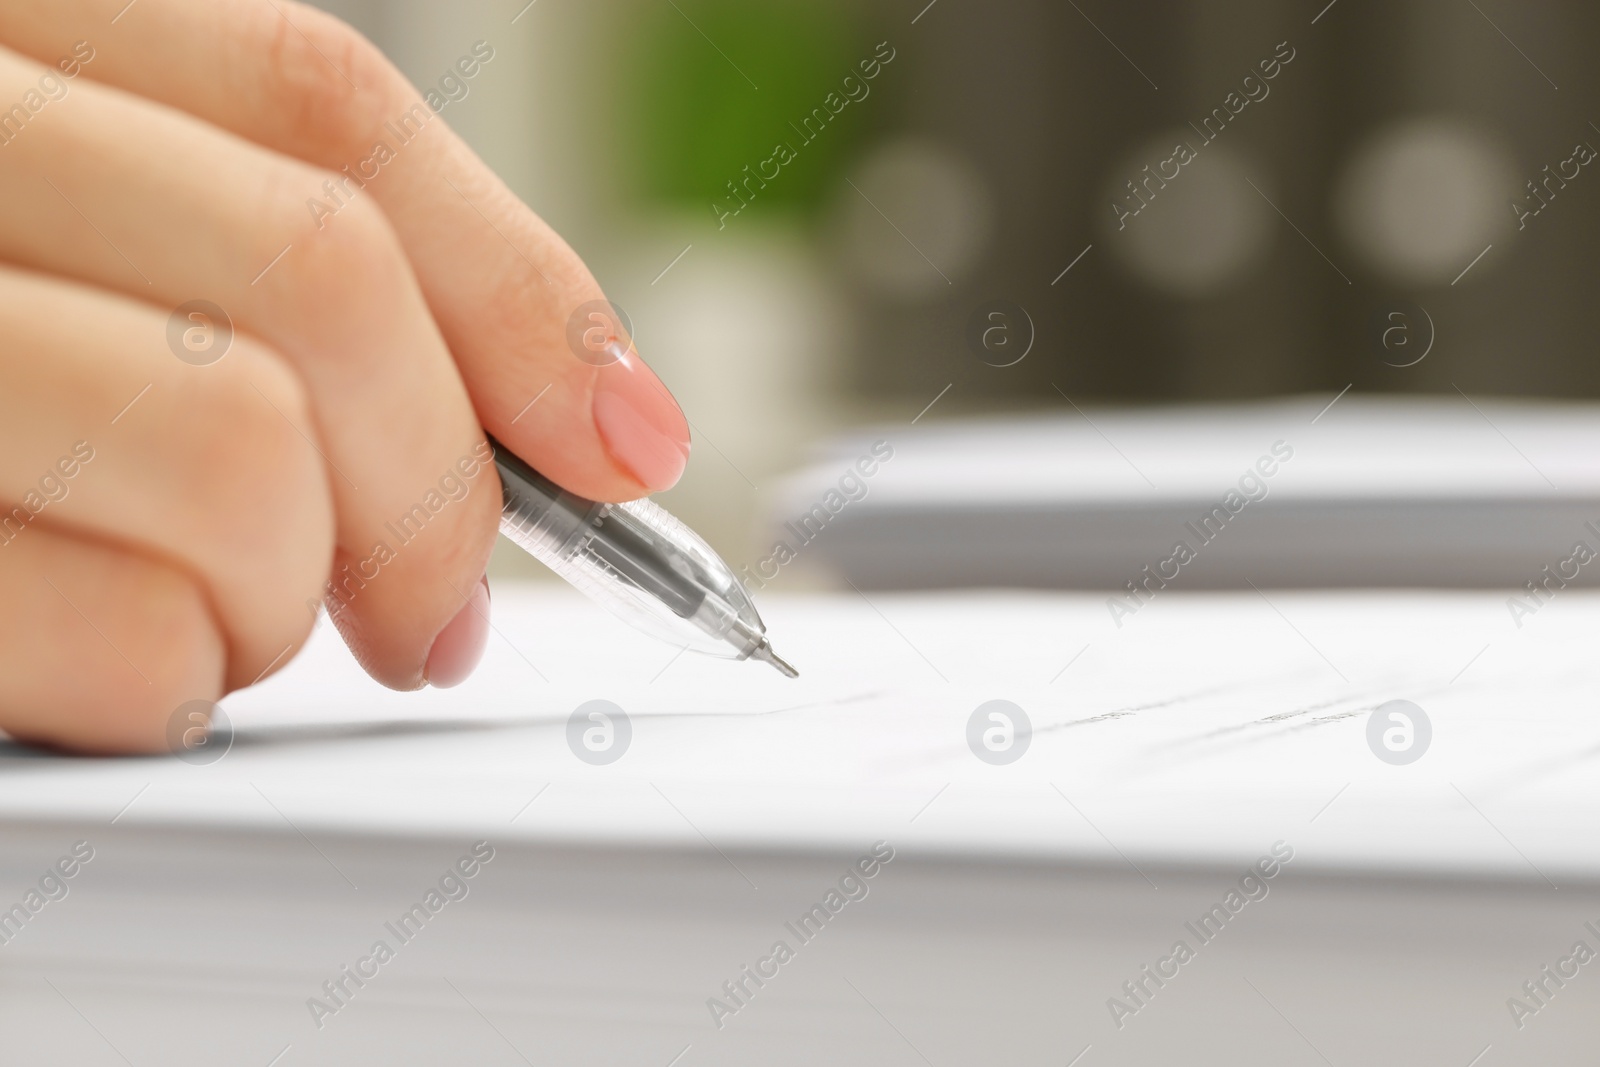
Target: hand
x=170 y=524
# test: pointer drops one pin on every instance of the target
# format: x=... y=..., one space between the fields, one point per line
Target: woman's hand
x=171 y=518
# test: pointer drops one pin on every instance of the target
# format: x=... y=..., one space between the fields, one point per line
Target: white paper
x=1357 y=448
x=1204 y=728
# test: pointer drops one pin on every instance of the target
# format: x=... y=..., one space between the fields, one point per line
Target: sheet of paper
x=1205 y=727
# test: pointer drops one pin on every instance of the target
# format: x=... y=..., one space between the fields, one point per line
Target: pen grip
x=634 y=559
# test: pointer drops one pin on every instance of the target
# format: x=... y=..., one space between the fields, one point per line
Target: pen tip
x=764 y=653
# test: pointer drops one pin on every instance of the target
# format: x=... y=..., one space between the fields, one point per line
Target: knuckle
x=161 y=625
x=176 y=642
x=264 y=494
x=350 y=263
x=258 y=407
x=328 y=82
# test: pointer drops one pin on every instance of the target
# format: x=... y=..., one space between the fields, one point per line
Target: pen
x=637 y=561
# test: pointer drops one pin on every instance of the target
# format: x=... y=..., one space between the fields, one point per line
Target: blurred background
x=1086 y=267
x=980 y=172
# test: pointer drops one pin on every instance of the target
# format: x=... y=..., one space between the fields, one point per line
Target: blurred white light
x=1195 y=233
x=918 y=220
x=1420 y=198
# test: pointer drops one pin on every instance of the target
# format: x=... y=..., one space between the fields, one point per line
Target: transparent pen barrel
x=635 y=560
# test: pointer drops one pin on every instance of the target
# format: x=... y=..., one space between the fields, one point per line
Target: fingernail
x=640 y=423
x=459 y=646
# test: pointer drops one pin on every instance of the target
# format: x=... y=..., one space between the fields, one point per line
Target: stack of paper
x=1447 y=491
x=614 y=904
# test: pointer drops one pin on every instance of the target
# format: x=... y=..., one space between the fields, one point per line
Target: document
x=1190 y=727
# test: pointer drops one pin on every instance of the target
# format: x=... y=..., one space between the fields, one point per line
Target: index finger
x=500 y=283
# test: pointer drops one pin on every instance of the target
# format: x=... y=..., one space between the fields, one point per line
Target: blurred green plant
x=713 y=85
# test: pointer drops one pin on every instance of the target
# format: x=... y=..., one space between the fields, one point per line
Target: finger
x=502 y=285
x=98 y=646
x=208 y=468
x=174 y=209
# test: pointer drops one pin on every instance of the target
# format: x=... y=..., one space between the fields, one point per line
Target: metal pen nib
x=764 y=653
